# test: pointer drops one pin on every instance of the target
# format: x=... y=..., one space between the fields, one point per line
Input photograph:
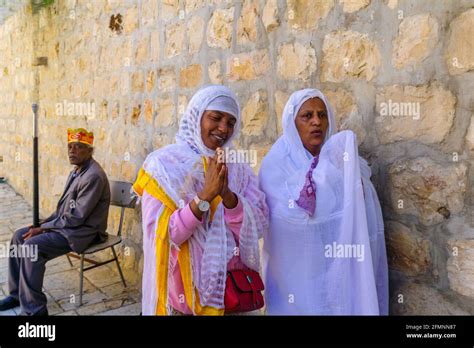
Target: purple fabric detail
x=307 y=198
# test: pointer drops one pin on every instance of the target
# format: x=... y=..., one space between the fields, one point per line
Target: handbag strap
x=252 y=285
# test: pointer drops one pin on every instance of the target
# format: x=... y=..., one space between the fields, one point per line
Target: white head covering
x=213 y=97
x=178 y=169
x=224 y=104
x=300 y=277
x=290 y=133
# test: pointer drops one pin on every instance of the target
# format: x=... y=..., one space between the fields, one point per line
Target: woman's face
x=312 y=123
x=216 y=128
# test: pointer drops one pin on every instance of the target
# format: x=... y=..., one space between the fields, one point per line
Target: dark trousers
x=26 y=268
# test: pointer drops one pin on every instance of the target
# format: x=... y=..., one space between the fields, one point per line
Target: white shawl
x=333 y=263
x=178 y=168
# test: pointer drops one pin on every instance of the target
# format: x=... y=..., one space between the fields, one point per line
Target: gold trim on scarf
x=146 y=182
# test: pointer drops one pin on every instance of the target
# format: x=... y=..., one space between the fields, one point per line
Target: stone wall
x=399 y=73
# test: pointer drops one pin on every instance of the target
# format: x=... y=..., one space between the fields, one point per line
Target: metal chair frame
x=121 y=196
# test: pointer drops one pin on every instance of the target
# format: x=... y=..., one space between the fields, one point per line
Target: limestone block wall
x=399 y=73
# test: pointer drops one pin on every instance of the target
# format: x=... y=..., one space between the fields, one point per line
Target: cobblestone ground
x=104 y=293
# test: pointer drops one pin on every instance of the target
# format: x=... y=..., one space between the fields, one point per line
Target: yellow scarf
x=146 y=182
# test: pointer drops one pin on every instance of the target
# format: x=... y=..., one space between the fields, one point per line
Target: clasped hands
x=216 y=181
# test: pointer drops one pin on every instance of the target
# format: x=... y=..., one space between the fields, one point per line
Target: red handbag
x=243 y=291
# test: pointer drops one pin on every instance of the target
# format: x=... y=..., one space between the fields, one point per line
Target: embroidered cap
x=80 y=135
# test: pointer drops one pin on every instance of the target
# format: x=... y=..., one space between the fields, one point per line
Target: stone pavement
x=104 y=293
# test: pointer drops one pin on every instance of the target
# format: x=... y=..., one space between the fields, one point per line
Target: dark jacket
x=82 y=211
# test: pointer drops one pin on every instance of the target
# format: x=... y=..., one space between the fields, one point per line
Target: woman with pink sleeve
x=201 y=217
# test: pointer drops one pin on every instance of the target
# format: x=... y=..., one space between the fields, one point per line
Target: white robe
x=333 y=263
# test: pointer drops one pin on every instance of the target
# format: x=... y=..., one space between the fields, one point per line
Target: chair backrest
x=121 y=195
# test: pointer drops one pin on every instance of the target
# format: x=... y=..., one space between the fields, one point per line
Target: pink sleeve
x=234 y=217
x=183 y=222
x=182 y=225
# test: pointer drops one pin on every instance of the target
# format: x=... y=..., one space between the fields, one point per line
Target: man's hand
x=33 y=231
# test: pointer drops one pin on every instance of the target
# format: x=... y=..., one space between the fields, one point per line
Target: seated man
x=80 y=220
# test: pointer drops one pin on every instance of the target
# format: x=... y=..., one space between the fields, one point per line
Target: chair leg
x=81 y=283
x=118 y=266
x=69 y=259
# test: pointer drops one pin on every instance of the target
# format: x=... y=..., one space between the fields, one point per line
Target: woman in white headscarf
x=201 y=217
x=324 y=253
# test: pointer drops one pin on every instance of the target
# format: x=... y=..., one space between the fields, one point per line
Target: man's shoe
x=8 y=303
x=42 y=313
